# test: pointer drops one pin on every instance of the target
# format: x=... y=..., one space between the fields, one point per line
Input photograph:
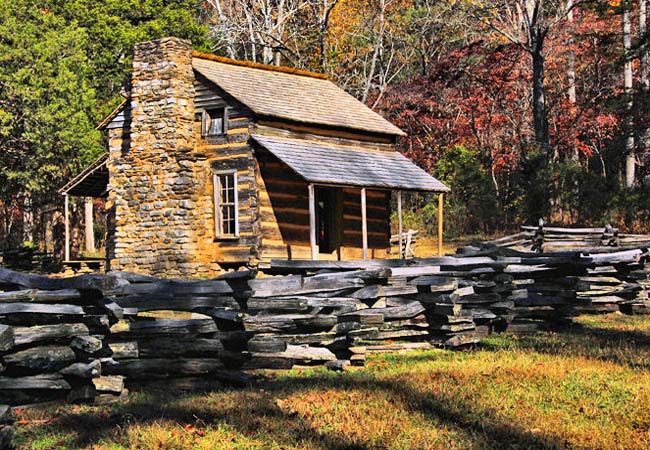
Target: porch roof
x=349 y=165
x=91 y=182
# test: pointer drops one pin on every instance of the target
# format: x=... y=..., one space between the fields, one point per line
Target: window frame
x=218 y=204
x=207 y=117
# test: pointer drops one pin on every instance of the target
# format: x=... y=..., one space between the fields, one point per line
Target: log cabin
x=216 y=163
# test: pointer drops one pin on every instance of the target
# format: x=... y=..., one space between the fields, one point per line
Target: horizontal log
x=315 y=323
x=362 y=317
x=335 y=302
x=37 y=296
x=376 y=291
x=453 y=327
x=533 y=299
x=162 y=367
x=45 y=382
x=102 y=283
x=366 y=275
x=169 y=326
x=628 y=256
x=161 y=287
x=576 y=231
x=266 y=344
x=478 y=299
x=39 y=308
x=482 y=314
x=412 y=272
x=270 y=324
x=297 y=285
x=40 y=359
x=542 y=312
x=292 y=304
x=518 y=269
x=307 y=353
x=347 y=326
x=397 y=334
x=267 y=361
x=321 y=339
x=151 y=302
x=406 y=311
x=168 y=347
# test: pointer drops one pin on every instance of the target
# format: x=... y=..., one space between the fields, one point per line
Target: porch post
x=440 y=207
x=312 y=222
x=66 y=219
x=88 y=222
x=364 y=223
x=400 y=227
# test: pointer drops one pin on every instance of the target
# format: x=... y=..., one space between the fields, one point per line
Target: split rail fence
x=85 y=338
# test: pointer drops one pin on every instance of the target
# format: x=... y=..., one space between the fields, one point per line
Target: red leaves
x=479 y=96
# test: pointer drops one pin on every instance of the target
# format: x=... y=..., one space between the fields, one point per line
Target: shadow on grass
x=255 y=413
x=626 y=348
x=258 y=412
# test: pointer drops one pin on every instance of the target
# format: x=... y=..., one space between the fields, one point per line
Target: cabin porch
x=326 y=201
x=89 y=185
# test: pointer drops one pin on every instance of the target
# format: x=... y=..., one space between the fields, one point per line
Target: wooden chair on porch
x=407 y=241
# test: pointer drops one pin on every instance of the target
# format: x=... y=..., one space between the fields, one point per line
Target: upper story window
x=226 y=204
x=214 y=122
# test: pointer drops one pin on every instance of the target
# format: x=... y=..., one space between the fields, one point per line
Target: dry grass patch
x=586 y=388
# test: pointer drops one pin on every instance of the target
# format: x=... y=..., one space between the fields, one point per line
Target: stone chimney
x=153 y=169
x=162 y=99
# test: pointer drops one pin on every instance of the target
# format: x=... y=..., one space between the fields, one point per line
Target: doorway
x=329 y=207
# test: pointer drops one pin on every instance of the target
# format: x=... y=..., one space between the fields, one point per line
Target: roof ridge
x=255 y=65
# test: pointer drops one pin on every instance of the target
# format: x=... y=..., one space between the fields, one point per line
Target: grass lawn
x=588 y=387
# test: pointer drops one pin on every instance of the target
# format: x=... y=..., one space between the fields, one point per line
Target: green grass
x=588 y=387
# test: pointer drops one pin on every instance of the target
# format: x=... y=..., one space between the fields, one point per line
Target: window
x=214 y=122
x=226 y=204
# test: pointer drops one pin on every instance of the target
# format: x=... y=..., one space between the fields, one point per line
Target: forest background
x=527 y=108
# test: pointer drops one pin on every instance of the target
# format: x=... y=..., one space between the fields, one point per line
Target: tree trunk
x=630 y=157
x=379 y=43
x=644 y=49
x=540 y=119
x=571 y=69
x=28 y=219
x=644 y=52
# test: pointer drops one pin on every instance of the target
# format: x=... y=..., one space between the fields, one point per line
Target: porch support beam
x=66 y=220
x=440 y=217
x=88 y=222
x=312 y=222
x=364 y=223
x=400 y=225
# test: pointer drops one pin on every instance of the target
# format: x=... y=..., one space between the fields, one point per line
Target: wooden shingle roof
x=292 y=95
x=349 y=165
